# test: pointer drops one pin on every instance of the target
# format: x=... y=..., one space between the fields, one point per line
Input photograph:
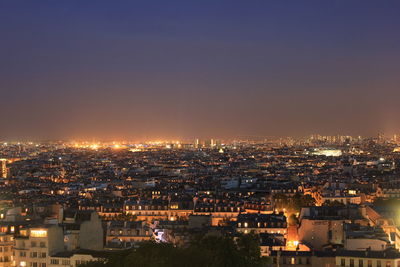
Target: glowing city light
x=94 y=146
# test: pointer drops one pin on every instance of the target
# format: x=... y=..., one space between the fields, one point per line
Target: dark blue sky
x=148 y=69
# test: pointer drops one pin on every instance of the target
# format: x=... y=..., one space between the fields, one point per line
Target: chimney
x=61 y=215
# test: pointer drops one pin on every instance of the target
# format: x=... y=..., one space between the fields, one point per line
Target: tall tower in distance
x=381 y=138
x=3 y=168
x=196 y=143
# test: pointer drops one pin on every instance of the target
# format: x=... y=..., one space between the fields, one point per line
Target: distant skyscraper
x=3 y=168
x=196 y=143
x=218 y=143
x=381 y=137
x=209 y=143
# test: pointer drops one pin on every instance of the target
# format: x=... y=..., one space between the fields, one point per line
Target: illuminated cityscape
x=199 y=133
x=317 y=199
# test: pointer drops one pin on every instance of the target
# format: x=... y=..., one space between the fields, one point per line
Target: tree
x=293 y=220
x=249 y=248
x=293 y=204
x=209 y=251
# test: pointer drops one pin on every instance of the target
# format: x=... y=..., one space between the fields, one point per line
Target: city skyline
x=186 y=140
x=146 y=70
x=142 y=133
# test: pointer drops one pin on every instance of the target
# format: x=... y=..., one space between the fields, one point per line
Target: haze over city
x=185 y=69
x=182 y=133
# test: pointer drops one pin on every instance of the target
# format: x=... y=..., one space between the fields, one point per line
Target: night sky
x=184 y=69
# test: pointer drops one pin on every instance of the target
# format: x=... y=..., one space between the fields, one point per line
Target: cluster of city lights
x=133 y=147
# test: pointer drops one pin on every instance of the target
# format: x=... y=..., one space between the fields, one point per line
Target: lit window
x=39 y=233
